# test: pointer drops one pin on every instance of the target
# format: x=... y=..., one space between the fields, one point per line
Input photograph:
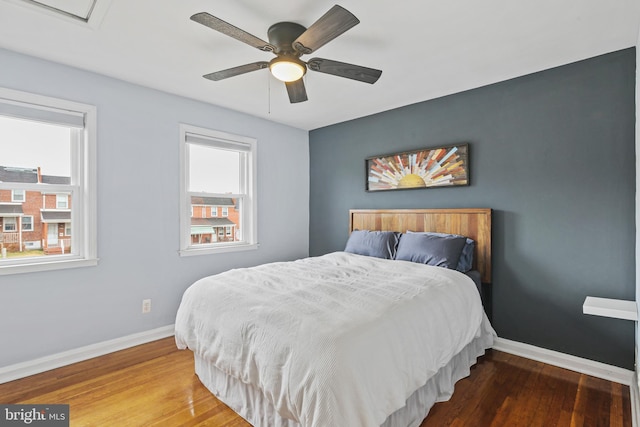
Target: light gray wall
x=138 y=136
x=553 y=154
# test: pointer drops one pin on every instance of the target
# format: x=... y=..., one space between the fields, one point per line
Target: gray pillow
x=427 y=248
x=380 y=244
x=465 y=263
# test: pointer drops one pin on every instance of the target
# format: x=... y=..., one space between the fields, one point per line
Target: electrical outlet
x=146 y=306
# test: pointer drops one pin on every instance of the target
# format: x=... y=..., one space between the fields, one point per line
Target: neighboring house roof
x=29 y=176
x=56 y=216
x=11 y=209
x=212 y=201
x=11 y=174
x=52 y=179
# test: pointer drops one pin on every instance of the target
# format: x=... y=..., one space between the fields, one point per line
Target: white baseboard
x=36 y=366
x=567 y=361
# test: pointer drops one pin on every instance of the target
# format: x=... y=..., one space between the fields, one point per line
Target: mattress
x=340 y=339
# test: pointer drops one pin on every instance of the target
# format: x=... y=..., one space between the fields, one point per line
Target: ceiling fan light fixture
x=287 y=69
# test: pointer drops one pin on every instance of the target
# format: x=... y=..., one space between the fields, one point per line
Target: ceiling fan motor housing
x=283 y=34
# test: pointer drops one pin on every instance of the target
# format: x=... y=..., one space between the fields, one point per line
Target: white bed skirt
x=252 y=405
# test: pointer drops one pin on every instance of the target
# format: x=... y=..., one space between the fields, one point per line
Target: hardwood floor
x=154 y=385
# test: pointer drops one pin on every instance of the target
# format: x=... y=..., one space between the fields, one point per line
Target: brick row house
x=38 y=220
x=214 y=219
x=41 y=220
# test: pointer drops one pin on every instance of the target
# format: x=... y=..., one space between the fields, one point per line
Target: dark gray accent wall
x=552 y=153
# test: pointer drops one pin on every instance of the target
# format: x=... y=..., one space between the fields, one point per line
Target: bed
x=345 y=339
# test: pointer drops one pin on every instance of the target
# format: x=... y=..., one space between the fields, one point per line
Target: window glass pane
x=31 y=145
x=214 y=170
x=9 y=224
x=50 y=235
x=62 y=201
x=17 y=196
x=27 y=223
x=207 y=229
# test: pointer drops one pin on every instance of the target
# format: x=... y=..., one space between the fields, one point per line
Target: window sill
x=192 y=251
x=59 y=264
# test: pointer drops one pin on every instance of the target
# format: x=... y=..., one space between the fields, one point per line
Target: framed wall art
x=426 y=168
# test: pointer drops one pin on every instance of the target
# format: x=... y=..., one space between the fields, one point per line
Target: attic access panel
x=78 y=9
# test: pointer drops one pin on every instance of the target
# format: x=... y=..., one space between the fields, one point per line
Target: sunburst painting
x=432 y=167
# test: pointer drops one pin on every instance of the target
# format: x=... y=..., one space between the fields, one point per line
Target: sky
x=31 y=144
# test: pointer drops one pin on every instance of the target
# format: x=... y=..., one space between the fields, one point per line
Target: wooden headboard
x=472 y=223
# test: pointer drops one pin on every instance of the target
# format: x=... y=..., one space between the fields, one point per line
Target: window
x=27 y=223
x=62 y=201
x=9 y=224
x=217 y=169
x=48 y=148
x=225 y=212
x=17 y=195
x=214 y=211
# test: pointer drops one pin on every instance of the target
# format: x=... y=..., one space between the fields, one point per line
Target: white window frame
x=248 y=211
x=64 y=198
x=22 y=223
x=18 y=200
x=10 y=220
x=29 y=106
x=225 y=212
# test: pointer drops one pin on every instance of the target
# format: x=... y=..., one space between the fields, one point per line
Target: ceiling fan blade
x=296 y=91
x=236 y=71
x=342 y=69
x=330 y=25
x=232 y=31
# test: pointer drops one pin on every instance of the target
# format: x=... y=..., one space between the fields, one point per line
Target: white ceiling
x=426 y=48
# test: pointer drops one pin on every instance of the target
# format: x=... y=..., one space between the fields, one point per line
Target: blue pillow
x=465 y=263
x=380 y=244
x=427 y=248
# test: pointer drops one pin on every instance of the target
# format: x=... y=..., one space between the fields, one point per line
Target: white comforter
x=336 y=340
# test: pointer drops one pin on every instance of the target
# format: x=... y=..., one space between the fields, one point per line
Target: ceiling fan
x=289 y=41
